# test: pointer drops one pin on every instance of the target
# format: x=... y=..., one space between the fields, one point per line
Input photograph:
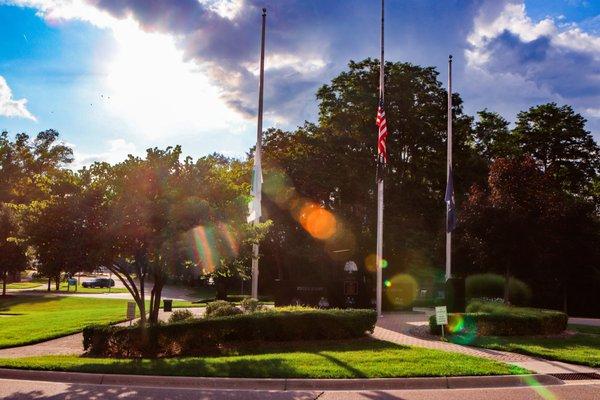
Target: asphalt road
x=28 y=390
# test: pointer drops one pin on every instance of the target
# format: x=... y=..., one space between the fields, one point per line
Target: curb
x=443 y=382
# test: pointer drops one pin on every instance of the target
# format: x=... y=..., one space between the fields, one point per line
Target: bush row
x=492 y=286
x=485 y=319
x=206 y=336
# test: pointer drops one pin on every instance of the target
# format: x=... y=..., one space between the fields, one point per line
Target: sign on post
x=130 y=310
x=441 y=317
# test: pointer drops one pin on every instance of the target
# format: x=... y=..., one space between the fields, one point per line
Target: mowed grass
x=594 y=330
x=80 y=289
x=24 y=285
x=364 y=358
x=581 y=348
x=31 y=319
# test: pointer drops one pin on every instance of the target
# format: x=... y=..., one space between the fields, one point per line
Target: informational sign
x=350 y=288
x=441 y=315
x=130 y=310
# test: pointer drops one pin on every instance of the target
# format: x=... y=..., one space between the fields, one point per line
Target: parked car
x=98 y=283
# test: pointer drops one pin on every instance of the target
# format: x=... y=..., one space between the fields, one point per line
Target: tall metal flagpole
x=448 y=172
x=257 y=158
x=379 y=251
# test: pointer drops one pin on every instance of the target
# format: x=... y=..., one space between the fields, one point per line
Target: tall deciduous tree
x=332 y=164
x=557 y=139
x=522 y=224
x=12 y=252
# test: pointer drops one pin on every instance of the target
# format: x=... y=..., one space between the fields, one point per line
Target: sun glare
x=152 y=88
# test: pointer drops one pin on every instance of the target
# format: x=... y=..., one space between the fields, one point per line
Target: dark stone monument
x=455 y=295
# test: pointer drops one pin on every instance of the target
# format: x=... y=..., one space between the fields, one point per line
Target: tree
x=12 y=253
x=145 y=210
x=25 y=165
x=557 y=139
x=331 y=165
x=493 y=137
x=522 y=224
x=54 y=227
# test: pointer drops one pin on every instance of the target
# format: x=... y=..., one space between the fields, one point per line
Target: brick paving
x=409 y=329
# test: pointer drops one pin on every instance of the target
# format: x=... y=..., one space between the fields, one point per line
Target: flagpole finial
x=450 y=58
x=264 y=14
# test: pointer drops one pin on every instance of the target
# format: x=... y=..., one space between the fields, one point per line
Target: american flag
x=383 y=132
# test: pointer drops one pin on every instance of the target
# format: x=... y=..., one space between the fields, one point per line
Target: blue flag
x=450 y=206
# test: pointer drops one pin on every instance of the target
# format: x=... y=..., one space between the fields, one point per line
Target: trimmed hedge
x=207 y=336
x=492 y=319
x=492 y=286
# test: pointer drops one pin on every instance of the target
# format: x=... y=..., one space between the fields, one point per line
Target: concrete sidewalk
x=72 y=344
x=442 y=382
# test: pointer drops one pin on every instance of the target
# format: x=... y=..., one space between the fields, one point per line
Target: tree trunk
x=221 y=287
x=506 y=283
x=4 y=284
x=49 y=283
x=57 y=283
x=155 y=295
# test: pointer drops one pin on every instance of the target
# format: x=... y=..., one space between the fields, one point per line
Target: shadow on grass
x=355 y=373
x=7 y=302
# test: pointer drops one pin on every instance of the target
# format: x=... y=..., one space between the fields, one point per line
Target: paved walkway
x=400 y=328
x=403 y=329
x=69 y=345
x=585 y=321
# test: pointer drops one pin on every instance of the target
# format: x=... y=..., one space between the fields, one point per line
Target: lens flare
x=462 y=328
x=228 y=236
x=205 y=249
x=278 y=186
x=387 y=283
x=402 y=290
x=317 y=221
x=543 y=391
x=371 y=263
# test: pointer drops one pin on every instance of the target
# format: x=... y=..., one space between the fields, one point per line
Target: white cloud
x=10 y=107
x=529 y=62
x=118 y=150
x=148 y=83
x=305 y=65
x=593 y=112
x=489 y=25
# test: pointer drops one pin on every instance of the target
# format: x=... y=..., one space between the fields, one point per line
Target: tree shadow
x=56 y=391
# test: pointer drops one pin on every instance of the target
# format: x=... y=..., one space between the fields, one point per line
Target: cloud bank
x=535 y=61
x=507 y=62
x=10 y=107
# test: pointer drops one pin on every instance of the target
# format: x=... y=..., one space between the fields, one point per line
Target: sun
x=152 y=88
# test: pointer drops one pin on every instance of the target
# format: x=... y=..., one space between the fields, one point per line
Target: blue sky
x=116 y=77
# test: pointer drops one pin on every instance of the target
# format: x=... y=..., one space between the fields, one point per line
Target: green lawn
x=30 y=319
x=81 y=289
x=364 y=358
x=594 y=330
x=581 y=348
x=24 y=285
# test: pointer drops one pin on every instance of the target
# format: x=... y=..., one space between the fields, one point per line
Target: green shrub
x=207 y=336
x=180 y=315
x=491 y=286
x=250 y=305
x=221 y=308
x=497 y=319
